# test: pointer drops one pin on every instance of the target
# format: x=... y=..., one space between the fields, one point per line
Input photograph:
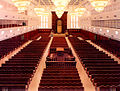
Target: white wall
x=9 y=12
x=112 y=10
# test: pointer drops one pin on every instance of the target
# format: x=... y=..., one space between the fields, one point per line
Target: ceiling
x=49 y=2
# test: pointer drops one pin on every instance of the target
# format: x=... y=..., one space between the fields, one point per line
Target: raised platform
x=58 y=35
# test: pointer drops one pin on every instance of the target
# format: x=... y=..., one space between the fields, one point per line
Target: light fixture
x=116 y=32
x=10 y=31
x=18 y=29
x=100 y=29
x=108 y=31
x=61 y=2
x=99 y=5
x=22 y=5
x=80 y=11
x=39 y=11
x=60 y=6
x=60 y=10
x=1 y=6
x=2 y=32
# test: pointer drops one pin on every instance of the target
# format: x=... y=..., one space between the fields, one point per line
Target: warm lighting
x=39 y=11
x=100 y=29
x=1 y=6
x=21 y=4
x=10 y=31
x=99 y=5
x=59 y=13
x=116 y=32
x=2 y=32
x=73 y=14
x=60 y=6
x=61 y=2
x=108 y=31
x=60 y=10
x=80 y=11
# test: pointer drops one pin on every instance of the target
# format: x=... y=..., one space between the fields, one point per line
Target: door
x=59 y=26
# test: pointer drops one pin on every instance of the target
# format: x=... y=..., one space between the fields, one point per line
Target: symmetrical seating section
x=78 y=33
x=44 y=32
x=16 y=74
x=74 y=32
x=103 y=71
x=7 y=46
x=111 y=45
x=60 y=75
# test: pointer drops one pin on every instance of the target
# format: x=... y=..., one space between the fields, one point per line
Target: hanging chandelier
x=60 y=6
x=22 y=5
x=80 y=11
x=39 y=11
x=99 y=5
x=61 y=2
x=60 y=10
x=59 y=13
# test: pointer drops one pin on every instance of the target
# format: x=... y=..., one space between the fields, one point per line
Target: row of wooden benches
x=16 y=74
x=60 y=75
x=102 y=70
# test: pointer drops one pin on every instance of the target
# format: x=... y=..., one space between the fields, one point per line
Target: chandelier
x=21 y=4
x=39 y=11
x=60 y=10
x=59 y=13
x=80 y=11
x=99 y=5
x=61 y=2
x=60 y=6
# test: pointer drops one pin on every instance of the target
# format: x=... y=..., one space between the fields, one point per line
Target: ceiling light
x=21 y=4
x=39 y=11
x=80 y=11
x=10 y=31
x=59 y=11
x=2 y=32
x=61 y=2
x=1 y=6
x=100 y=29
x=108 y=31
x=18 y=29
x=99 y=5
x=116 y=32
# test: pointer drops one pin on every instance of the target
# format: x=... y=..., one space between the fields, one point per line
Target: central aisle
x=87 y=84
x=60 y=75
